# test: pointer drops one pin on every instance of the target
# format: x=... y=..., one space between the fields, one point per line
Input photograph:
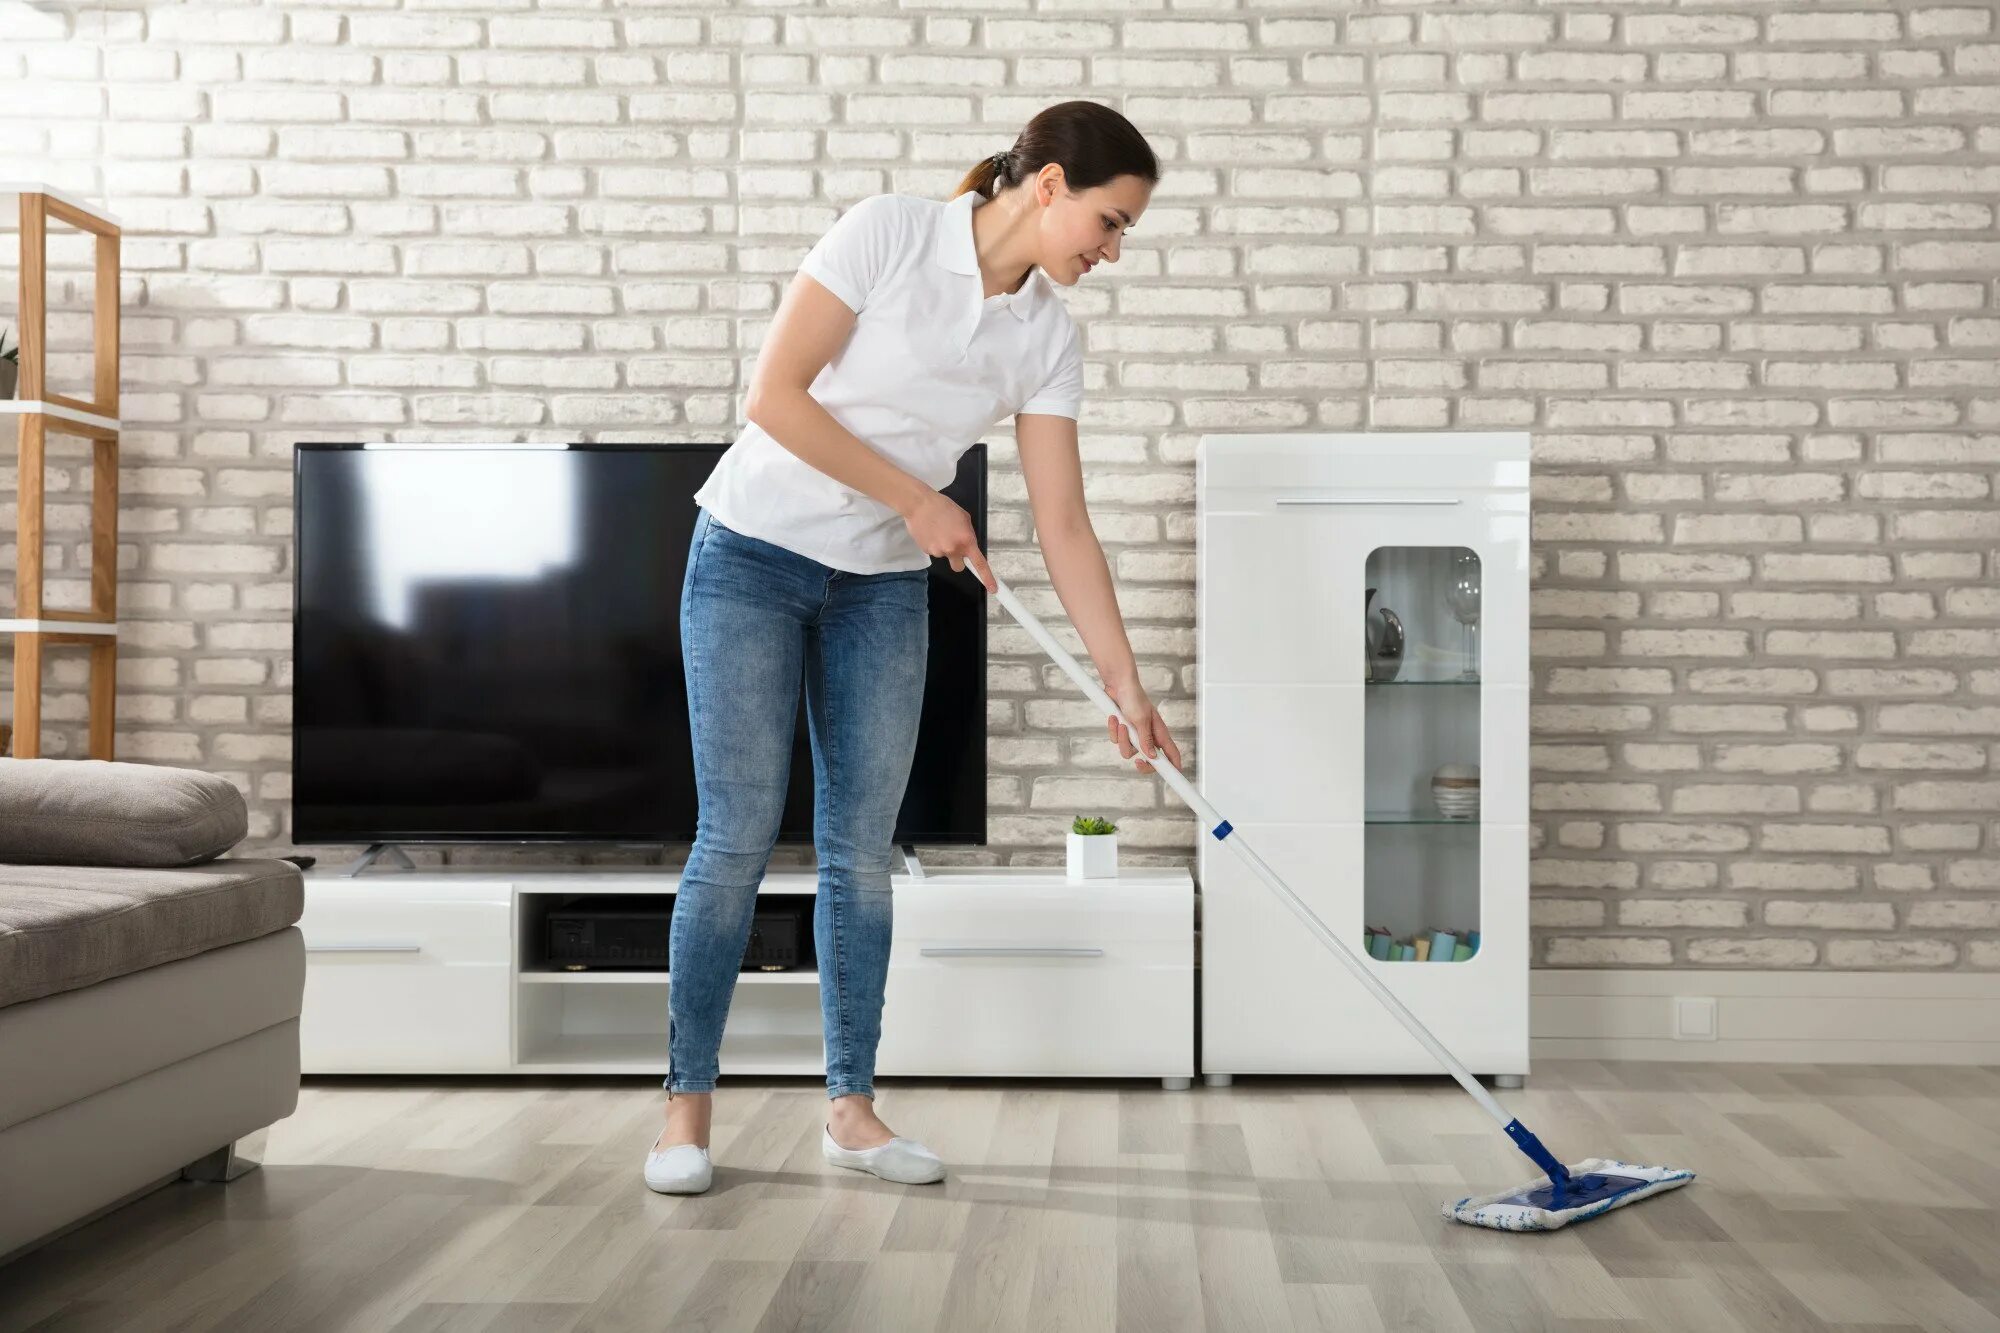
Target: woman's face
x=1082 y=230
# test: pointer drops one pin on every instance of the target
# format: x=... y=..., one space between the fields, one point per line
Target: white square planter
x=1093 y=855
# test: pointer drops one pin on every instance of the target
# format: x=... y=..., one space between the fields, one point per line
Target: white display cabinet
x=1334 y=754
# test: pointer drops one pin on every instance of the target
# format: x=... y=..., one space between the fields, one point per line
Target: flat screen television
x=487 y=648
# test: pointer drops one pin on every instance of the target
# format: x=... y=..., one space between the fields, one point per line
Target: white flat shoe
x=902 y=1160
x=681 y=1169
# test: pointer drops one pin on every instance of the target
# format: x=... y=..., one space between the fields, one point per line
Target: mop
x=1563 y=1194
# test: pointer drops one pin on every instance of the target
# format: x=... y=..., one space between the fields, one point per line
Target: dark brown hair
x=1091 y=143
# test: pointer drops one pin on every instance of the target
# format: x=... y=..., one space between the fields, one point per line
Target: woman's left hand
x=1146 y=719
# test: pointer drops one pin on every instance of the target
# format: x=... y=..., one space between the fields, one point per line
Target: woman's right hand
x=941 y=527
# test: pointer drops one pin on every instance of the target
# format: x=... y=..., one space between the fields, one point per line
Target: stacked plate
x=1455 y=788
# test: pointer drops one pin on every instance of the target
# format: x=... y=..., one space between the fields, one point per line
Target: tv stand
x=994 y=972
x=375 y=849
x=910 y=861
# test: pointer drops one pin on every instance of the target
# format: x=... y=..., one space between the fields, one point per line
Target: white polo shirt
x=931 y=365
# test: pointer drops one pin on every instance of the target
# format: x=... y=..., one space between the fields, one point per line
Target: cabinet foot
x=1509 y=1081
x=1174 y=1084
x=1218 y=1080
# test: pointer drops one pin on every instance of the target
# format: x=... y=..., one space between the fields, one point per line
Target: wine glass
x=1463 y=597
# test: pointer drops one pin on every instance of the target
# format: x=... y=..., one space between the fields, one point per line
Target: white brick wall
x=1734 y=270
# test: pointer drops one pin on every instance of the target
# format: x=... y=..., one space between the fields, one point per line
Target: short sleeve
x=1061 y=395
x=856 y=250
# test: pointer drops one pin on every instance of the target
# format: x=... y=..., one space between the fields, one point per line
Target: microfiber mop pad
x=1594 y=1185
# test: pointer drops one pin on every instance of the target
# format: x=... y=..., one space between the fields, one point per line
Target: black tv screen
x=487 y=649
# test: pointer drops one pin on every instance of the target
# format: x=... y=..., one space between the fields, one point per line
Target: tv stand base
x=375 y=849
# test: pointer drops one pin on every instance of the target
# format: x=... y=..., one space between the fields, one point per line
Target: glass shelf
x=1379 y=684
x=1412 y=817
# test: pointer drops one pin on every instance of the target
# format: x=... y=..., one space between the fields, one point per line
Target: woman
x=911 y=329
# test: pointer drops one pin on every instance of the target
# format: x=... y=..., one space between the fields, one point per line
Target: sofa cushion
x=62 y=927
x=102 y=812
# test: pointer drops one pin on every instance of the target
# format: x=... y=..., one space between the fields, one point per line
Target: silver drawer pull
x=1357 y=500
x=1007 y=951
x=364 y=948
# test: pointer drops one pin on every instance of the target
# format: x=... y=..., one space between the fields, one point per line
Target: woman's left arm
x=1052 y=464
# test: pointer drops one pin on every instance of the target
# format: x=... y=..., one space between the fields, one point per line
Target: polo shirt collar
x=956 y=252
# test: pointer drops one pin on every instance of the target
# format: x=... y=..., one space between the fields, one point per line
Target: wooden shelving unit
x=40 y=414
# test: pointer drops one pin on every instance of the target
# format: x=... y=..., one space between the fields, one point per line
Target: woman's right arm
x=811 y=326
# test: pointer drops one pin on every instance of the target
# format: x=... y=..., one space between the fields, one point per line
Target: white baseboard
x=1769 y=1017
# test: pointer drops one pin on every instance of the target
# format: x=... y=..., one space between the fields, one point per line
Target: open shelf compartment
x=614 y=1019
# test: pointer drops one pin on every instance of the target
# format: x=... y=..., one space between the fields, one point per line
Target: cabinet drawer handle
x=364 y=948
x=1358 y=500
x=1007 y=951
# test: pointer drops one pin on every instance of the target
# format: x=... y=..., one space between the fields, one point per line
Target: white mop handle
x=1232 y=838
x=1097 y=695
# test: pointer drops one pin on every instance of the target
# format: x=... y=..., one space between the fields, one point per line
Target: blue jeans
x=754 y=618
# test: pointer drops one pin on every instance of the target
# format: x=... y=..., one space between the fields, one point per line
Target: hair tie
x=999 y=161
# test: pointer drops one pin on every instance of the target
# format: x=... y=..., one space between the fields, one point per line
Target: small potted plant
x=1093 y=848
x=10 y=366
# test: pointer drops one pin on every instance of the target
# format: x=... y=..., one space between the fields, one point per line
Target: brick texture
x=1733 y=268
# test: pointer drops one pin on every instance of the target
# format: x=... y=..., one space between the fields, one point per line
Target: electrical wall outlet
x=1694 y=1018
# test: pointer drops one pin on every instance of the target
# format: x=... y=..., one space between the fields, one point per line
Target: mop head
x=1596 y=1185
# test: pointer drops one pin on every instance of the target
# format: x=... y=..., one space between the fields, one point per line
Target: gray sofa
x=149 y=1013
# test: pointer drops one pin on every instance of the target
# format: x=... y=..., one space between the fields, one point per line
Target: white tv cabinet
x=1007 y=971
x=1326 y=765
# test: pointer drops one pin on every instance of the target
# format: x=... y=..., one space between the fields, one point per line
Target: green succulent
x=1090 y=824
x=12 y=353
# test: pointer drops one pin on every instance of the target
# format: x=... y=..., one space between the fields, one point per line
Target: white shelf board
x=611 y=879
x=545 y=977
x=666 y=879
x=17 y=626
x=646 y=1053
x=21 y=407
x=73 y=200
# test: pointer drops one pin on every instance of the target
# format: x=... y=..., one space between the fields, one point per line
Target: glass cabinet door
x=1421 y=761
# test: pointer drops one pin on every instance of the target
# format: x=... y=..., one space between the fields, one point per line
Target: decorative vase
x=1093 y=855
x=1382 y=630
x=9 y=371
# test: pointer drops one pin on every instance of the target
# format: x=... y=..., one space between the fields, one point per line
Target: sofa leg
x=222 y=1165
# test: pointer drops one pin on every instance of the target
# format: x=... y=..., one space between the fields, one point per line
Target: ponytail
x=989 y=177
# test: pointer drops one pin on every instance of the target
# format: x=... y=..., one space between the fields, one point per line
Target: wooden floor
x=1828 y=1197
